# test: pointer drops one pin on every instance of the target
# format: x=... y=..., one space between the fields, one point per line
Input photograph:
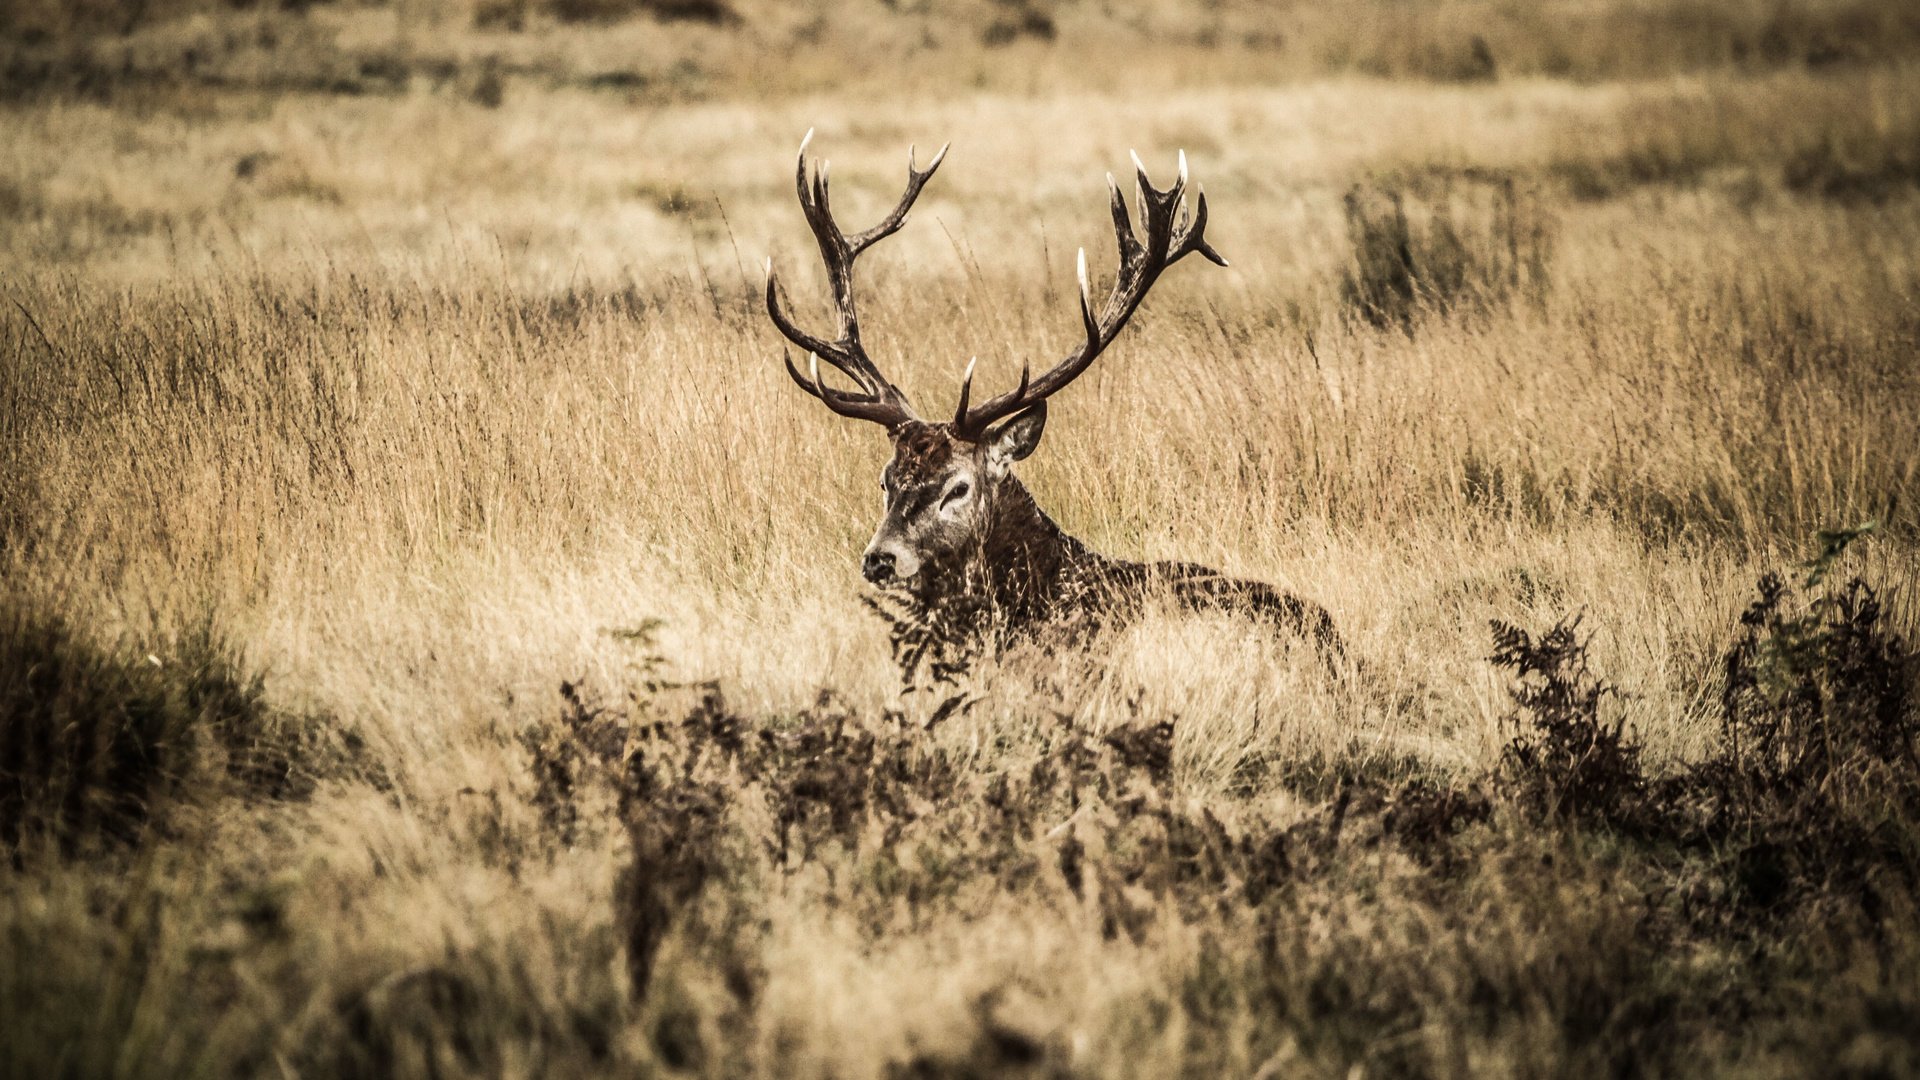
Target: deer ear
x=1016 y=438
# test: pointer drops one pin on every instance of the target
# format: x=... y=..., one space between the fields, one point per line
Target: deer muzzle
x=888 y=562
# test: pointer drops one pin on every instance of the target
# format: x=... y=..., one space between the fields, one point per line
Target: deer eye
x=955 y=494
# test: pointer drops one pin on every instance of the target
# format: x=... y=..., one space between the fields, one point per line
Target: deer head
x=950 y=482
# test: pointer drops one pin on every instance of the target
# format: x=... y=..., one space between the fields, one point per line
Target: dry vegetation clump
x=712 y=12
x=103 y=744
x=717 y=805
x=1811 y=795
x=1808 y=693
x=1815 y=774
x=1566 y=760
x=1550 y=905
x=1019 y=19
x=934 y=648
x=1497 y=250
x=1876 y=172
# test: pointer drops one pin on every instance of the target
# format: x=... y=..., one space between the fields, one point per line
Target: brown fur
x=920 y=452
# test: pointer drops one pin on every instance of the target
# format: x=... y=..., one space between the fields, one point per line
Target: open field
x=403 y=510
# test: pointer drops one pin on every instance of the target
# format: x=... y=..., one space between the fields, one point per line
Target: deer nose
x=878 y=566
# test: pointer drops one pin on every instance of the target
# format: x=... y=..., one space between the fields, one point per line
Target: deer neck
x=1023 y=555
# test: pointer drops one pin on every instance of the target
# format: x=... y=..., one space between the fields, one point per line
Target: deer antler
x=878 y=399
x=1171 y=234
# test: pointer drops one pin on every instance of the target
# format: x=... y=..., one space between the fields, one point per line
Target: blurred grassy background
x=673 y=50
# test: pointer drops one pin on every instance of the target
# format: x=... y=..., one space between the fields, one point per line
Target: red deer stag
x=961 y=536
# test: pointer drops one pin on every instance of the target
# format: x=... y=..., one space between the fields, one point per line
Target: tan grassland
x=427 y=400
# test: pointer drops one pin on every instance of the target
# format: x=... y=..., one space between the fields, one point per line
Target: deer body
x=961 y=536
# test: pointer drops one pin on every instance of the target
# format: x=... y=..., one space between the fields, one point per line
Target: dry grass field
x=431 y=629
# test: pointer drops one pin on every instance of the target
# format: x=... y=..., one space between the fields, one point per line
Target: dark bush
x=582 y=749
x=1565 y=759
x=489 y=89
x=711 y=12
x=1809 y=694
x=1446 y=60
x=1018 y=19
x=95 y=743
x=1815 y=785
x=1496 y=249
x=1860 y=174
x=714 y=800
x=934 y=645
x=510 y=15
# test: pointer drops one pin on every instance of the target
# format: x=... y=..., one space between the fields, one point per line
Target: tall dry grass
x=425 y=406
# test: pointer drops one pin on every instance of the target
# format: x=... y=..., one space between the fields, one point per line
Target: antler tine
x=1169 y=232
x=879 y=399
x=856 y=406
x=787 y=326
x=966 y=390
x=1191 y=235
x=916 y=179
x=1091 y=324
x=1122 y=221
